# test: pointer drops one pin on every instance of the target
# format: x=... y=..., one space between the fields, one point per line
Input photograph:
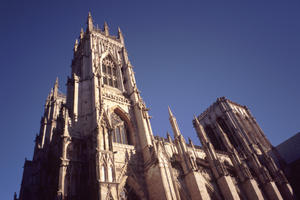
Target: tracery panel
x=120 y=133
x=109 y=72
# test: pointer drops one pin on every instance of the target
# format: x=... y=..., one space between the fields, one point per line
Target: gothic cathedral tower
x=96 y=142
x=106 y=111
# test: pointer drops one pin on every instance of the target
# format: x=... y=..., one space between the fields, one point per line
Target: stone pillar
x=194 y=180
x=272 y=191
x=249 y=185
x=252 y=190
x=287 y=191
x=43 y=130
x=227 y=188
x=224 y=181
x=196 y=186
x=282 y=183
x=65 y=140
x=140 y=111
x=268 y=184
x=158 y=177
x=75 y=99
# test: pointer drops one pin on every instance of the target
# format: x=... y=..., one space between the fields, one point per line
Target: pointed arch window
x=109 y=71
x=120 y=133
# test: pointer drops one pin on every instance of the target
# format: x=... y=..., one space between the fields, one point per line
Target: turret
x=169 y=137
x=106 y=29
x=55 y=88
x=120 y=35
x=81 y=33
x=75 y=46
x=90 y=25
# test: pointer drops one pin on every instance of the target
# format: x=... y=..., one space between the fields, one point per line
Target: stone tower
x=97 y=143
x=230 y=127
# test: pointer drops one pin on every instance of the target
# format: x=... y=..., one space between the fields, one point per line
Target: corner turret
x=90 y=25
x=120 y=35
x=106 y=29
x=55 y=88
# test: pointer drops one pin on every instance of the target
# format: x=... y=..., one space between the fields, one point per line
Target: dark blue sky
x=185 y=54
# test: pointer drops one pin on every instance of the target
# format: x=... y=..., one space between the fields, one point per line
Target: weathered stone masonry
x=96 y=142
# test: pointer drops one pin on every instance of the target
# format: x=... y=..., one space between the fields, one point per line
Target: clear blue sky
x=185 y=54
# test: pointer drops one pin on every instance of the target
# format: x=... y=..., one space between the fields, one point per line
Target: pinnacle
x=190 y=141
x=119 y=29
x=170 y=112
x=81 y=33
x=168 y=134
x=89 y=23
x=196 y=119
x=106 y=29
x=75 y=45
x=89 y=17
x=56 y=82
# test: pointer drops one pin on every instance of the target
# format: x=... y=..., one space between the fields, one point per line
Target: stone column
x=249 y=185
x=75 y=99
x=65 y=140
x=224 y=181
x=282 y=183
x=158 y=176
x=194 y=180
x=63 y=167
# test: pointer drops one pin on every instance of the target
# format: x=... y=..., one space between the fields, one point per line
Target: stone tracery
x=110 y=71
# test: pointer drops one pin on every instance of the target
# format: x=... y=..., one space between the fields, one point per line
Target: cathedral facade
x=96 y=141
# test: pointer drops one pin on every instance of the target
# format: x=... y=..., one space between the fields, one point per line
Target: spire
x=170 y=112
x=106 y=29
x=81 y=34
x=75 y=45
x=200 y=131
x=207 y=145
x=190 y=141
x=90 y=25
x=169 y=137
x=120 y=35
x=173 y=123
x=224 y=137
x=56 y=82
x=55 y=88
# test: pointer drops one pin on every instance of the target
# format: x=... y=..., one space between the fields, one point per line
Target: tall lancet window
x=109 y=71
x=120 y=132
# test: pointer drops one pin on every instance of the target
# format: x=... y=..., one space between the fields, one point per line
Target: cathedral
x=96 y=142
